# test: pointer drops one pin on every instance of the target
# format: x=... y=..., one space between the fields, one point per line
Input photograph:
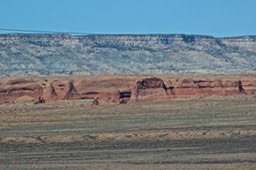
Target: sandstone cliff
x=123 y=89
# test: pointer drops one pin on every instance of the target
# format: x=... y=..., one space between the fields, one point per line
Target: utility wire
x=41 y=31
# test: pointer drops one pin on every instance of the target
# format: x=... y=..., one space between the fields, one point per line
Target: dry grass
x=137 y=135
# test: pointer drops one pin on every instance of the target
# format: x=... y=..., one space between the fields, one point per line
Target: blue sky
x=218 y=18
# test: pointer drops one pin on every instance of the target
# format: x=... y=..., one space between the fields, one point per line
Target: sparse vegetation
x=43 y=54
x=213 y=132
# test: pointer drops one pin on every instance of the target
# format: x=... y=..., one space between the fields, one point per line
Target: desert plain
x=213 y=126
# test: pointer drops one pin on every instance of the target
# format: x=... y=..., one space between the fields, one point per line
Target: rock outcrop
x=12 y=89
x=124 y=89
x=149 y=89
x=61 y=90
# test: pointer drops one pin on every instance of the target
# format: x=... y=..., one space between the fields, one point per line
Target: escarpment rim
x=40 y=54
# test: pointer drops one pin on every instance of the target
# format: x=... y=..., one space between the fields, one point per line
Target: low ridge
x=125 y=89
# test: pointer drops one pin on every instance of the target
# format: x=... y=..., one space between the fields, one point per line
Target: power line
x=41 y=31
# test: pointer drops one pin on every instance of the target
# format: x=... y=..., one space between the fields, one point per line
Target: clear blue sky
x=209 y=17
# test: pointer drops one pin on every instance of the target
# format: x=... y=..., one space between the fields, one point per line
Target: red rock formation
x=110 y=90
x=60 y=90
x=148 y=89
x=12 y=89
x=249 y=86
x=123 y=89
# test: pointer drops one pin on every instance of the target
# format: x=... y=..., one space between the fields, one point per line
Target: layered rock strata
x=124 y=89
x=26 y=55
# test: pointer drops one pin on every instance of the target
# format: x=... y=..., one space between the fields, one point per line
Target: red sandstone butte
x=126 y=88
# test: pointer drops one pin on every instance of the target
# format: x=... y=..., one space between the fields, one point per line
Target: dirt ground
x=203 y=133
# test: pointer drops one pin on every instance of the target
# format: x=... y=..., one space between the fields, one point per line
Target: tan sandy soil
x=203 y=133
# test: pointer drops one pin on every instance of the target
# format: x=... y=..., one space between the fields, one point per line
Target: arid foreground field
x=202 y=133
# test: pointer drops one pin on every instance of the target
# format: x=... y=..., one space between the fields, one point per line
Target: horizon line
x=74 y=33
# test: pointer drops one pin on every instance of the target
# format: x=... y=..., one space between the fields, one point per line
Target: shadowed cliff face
x=123 y=89
x=47 y=55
